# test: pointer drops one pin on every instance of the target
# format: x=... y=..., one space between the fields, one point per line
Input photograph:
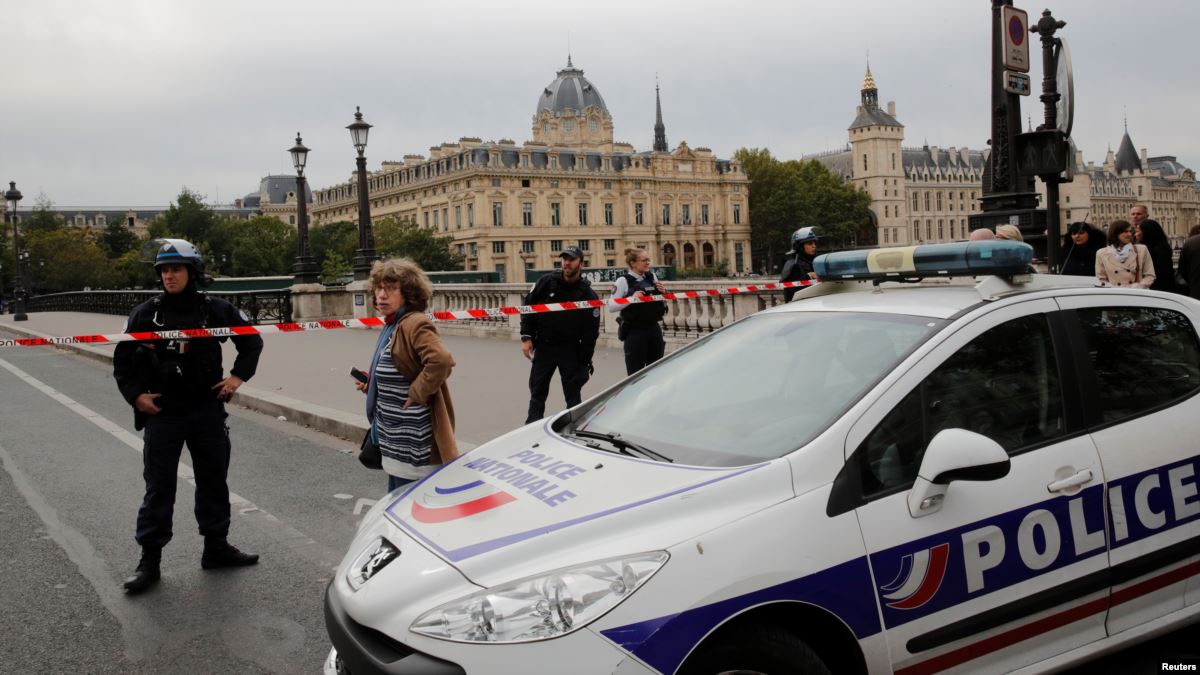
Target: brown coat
x=421 y=357
x=1137 y=270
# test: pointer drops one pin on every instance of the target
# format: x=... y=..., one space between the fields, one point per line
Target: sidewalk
x=305 y=376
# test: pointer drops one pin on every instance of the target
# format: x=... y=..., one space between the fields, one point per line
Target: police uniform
x=564 y=340
x=184 y=372
x=641 y=328
x=799 y=265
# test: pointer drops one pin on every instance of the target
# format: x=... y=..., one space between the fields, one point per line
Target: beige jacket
x=1137 y=270
x=421 y=357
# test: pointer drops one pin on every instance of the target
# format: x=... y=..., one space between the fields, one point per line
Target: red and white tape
x=374 y=322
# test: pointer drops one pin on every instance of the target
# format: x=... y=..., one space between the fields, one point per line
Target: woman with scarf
x=408 y=402
x=1122 y=262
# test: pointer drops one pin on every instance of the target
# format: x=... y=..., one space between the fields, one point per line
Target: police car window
x=758 y=389
x=1004 y=384
x=1141 y=357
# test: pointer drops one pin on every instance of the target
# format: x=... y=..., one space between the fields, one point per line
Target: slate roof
x=570 y=90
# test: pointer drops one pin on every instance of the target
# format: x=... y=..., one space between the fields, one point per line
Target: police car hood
x=532 y=501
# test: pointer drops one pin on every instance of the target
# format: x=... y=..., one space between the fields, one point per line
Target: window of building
x=607 y=183
x=583 y=213
x=1009 y=395
x=527 y=246
x=704 y=214
x=739 y=257
x=474 y=249
x=926 y=200
x=497 y=247
x=864 y=161
x=527 y=213
x=893 y=161
x=608 y=213
x=470 y=215
x=916 y=230
x=610 y=244
x=915 y=202
x=568 y=125
x=425 y=216
x=497 y=214
x=887 y=211
x=462 y=250
x=637 y=185
x=556 y=245
x=638 y=214
x=737 y=188
x=939 y=200
x=435 y=219
x=291 y=220
x=666 y=214
x=941 y=229
x=593 y=124
x=686 y=214
x=581 y=184
x=929 y=229
x=525 y=181
x=737 y=214
x=553 y=183
x=555 y=214
x=1141 y=358
x=458 y=217
x=583 y=244
x=495 y=182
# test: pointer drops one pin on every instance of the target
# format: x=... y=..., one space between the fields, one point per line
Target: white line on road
x=297 y=540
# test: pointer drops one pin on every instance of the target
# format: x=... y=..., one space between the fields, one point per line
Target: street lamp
x=13 y=198
x=304 y=269
x=365 y=255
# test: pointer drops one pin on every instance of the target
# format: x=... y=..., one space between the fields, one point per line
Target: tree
x=397 y=237
x=42 y=218
x=67 y=259
x=118 y=239
x=261 y=246
x=191 y=219
x=335 y=268
x=339 y=238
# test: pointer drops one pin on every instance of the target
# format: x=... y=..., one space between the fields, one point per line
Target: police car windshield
x=758 y=389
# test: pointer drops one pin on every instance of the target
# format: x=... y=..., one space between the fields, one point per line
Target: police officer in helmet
x=178 y=389
x=564 y=340
x=799 y=264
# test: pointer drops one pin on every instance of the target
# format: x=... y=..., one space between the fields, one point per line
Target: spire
x=1127 y=156
x=569 y=64
x=660 y=129
x=870 y=94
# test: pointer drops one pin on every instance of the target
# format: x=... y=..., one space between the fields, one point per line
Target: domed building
x=509 y=207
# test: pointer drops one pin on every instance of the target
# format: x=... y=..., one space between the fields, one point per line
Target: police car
x=930 y=461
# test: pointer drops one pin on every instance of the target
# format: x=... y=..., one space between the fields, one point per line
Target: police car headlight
x=543 y=606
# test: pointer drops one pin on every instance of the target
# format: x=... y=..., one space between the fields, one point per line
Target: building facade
x=510 y=207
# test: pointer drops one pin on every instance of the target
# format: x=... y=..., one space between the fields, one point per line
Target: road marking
x=362 y=504
x=293 y=538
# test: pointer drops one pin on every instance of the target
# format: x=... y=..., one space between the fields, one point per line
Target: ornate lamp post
x=365 y=255
x=305 y=268
x=13 y=198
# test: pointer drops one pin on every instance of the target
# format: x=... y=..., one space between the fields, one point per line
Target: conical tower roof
x=1127 y=157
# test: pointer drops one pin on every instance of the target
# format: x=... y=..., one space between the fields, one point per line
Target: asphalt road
x=70 y=485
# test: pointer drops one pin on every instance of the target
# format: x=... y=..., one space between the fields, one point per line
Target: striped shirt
x=405 y=437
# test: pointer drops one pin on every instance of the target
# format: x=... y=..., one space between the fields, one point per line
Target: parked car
x=980 y=468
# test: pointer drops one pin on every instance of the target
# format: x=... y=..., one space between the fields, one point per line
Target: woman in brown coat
x=408 y=402
x=1122 y=262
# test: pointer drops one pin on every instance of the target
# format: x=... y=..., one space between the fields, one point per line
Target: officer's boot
x=147 y=573
x=219 y=553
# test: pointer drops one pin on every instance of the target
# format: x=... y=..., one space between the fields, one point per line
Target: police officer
x=560 y=340
x=641 y=327
x=799 y=265
x=177 y=389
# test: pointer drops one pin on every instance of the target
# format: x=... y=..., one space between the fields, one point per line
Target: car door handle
x=1081 y=478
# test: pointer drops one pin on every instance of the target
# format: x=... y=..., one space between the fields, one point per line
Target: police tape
x=375 y=322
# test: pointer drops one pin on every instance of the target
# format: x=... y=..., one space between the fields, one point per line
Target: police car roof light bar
x=968 y=258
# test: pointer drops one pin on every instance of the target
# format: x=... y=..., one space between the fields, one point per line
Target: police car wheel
x=753 y=649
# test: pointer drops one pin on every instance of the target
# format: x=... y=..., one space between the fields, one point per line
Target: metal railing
x=260 y=306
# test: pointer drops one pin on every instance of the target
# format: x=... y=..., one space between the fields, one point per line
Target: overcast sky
x=122 y=103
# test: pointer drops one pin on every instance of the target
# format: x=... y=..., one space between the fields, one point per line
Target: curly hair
x=403 y=274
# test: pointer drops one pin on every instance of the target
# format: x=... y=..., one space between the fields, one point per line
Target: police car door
x=986 y=577
x=1140 y=360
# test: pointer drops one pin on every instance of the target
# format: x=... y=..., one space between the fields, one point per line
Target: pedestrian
x=1189 y=262
x=1138 y=213
x=799 y=264
x=1079 y=247
x=1150 y=234
x=1009 y=232
x=1122 y=262
x=178 y=391
x=408 y=400
x=563 y=341
x=641 y=322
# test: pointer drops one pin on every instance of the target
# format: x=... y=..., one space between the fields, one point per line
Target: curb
x=327 y=420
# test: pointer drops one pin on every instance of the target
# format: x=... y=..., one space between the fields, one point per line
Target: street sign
x=1042 y=153
x=1065 y=77
x=1016 y=83
x=1015 y=24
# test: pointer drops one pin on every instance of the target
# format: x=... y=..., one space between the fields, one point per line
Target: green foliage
x=261 y=246
x=335 y=268
x=129 y=271
x=117 y=239
x=701 y=272
x=42 y=218
x=404 y=238
x=785 y=196
x=340 y=238
x=67 y=259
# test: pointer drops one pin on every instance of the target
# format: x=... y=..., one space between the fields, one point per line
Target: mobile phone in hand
x=359 y=375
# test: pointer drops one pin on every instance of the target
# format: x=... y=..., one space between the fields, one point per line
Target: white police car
x=984 y=474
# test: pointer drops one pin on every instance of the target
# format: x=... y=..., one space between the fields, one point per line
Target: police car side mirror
x=954 y=454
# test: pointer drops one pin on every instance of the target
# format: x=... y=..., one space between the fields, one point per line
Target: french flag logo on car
x=444 y=504
x=920 y=576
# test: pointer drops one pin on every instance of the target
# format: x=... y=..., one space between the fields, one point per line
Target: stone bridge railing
x=261 y=306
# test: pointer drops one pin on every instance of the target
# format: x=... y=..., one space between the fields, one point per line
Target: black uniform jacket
x=577 y=326
x=183 y=371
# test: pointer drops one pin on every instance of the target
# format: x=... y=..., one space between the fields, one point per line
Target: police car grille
x=395 y=649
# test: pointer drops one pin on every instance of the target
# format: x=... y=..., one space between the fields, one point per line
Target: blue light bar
x=968 y=258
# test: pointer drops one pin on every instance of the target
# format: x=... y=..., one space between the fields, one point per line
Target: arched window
x=689 y=255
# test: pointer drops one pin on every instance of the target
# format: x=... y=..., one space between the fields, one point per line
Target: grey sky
x=122 y=103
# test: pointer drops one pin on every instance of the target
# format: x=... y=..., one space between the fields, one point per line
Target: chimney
x=892 y=108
